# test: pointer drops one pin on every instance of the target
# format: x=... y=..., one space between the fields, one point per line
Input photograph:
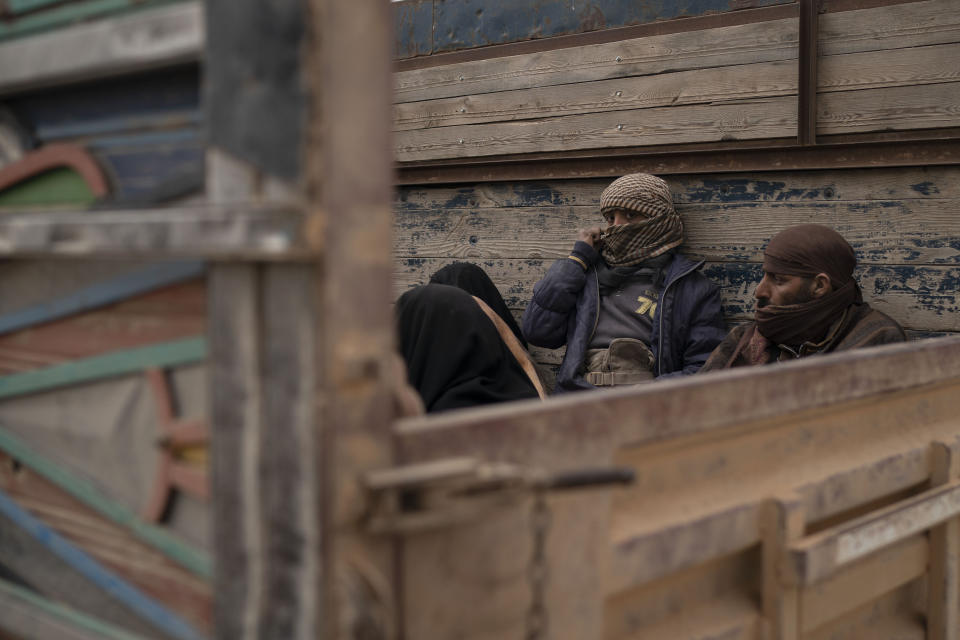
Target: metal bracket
x=443 y=493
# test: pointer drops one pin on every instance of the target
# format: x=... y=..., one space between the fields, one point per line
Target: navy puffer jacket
x=687 y=324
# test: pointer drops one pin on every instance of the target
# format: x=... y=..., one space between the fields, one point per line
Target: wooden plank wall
x=734 y=471
x=901 y=222
x=889 y=68
x=425 y=27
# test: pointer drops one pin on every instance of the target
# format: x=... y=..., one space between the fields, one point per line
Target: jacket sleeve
x=555 y=298
x=705 y=330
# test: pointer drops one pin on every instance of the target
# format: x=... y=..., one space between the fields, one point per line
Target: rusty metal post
x=807 y=82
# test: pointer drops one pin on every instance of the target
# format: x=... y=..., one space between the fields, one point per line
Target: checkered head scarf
x=658 y=230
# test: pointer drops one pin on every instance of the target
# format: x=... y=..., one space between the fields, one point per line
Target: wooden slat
x=779 y=187
x=913 y=24
x=164 y=36
x=944 y=588
x=743 y=44
x=918 y=297
x=85 y=492
x=863 y=582
x=735 y=83
x=890 y=68
x=64 y=571
x=781 y=522
x=889 y=109
x=882 y=232
x=262 y=232
x=818 y=556
x=763 y=118
x=167 y=354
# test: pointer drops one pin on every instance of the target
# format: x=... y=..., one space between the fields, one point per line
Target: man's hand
x=590 y=236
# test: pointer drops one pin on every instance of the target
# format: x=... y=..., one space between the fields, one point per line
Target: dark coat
x=565 y=307
x=861 y=326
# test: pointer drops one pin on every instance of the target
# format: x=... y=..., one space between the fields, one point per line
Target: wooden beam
x=237 y=232
x=818 y=556
x=943 y=614
x=146 y=40
x=349 y=177
x=167 y=354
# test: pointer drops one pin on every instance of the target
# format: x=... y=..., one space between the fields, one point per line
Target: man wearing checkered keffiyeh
x=628 y=307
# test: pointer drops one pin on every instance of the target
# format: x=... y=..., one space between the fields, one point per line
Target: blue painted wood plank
x=103 y=293
x=135 y=600
x=165 y=354
x=465 y=24
x=187 y=556
x=167 y=119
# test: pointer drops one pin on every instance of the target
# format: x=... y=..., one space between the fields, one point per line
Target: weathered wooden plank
x=29 y=615
x=863 y=582
x=718 y=596
x=734 y=83
x=781 y=187
x=168 y=354
x=84 y=491
x=914 y=24
x=264 y=232
x=762 y=118
x=890 y=68
x=236 y=418
x=918 y=297
x=103 y=293
x=742 y=44
x=62 y=570
x=820 y=555
x=116 y=547
x=288 y=485
x=781 y=521
x=943 y=614
x=890 y=108
x=899 y=67
x=881 y=232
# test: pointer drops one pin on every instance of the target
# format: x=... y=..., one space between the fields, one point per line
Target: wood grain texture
x=889 y=109
x=750 y=120
x=109 y=542
x=693 y=513
x=734 y=83
x=743 y=44
x=914 y=24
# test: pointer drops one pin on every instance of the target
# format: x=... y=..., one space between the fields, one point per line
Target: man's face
x=621 y=216
x=778 y=289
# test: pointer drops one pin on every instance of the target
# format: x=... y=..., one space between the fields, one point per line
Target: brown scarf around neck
x=794 y=324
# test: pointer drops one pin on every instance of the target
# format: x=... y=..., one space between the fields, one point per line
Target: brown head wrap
x=807 y=250
x=659 y=231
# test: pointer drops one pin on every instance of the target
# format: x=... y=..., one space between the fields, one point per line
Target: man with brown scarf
x=627 y=306
x=807 y=303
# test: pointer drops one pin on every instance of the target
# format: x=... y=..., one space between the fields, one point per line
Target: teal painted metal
x=96 y=627
x=165 y=354
x=194 y=560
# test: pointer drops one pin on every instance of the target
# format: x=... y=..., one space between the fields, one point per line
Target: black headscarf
x=476 y=282
x=455 y=357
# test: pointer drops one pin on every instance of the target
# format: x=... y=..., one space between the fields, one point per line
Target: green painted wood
x=58 y=186
x=187 y=556
x=68 y=14
x=165 y=354
x=38 y=606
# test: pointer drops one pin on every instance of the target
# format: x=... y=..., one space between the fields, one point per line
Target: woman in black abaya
x=454 y=354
